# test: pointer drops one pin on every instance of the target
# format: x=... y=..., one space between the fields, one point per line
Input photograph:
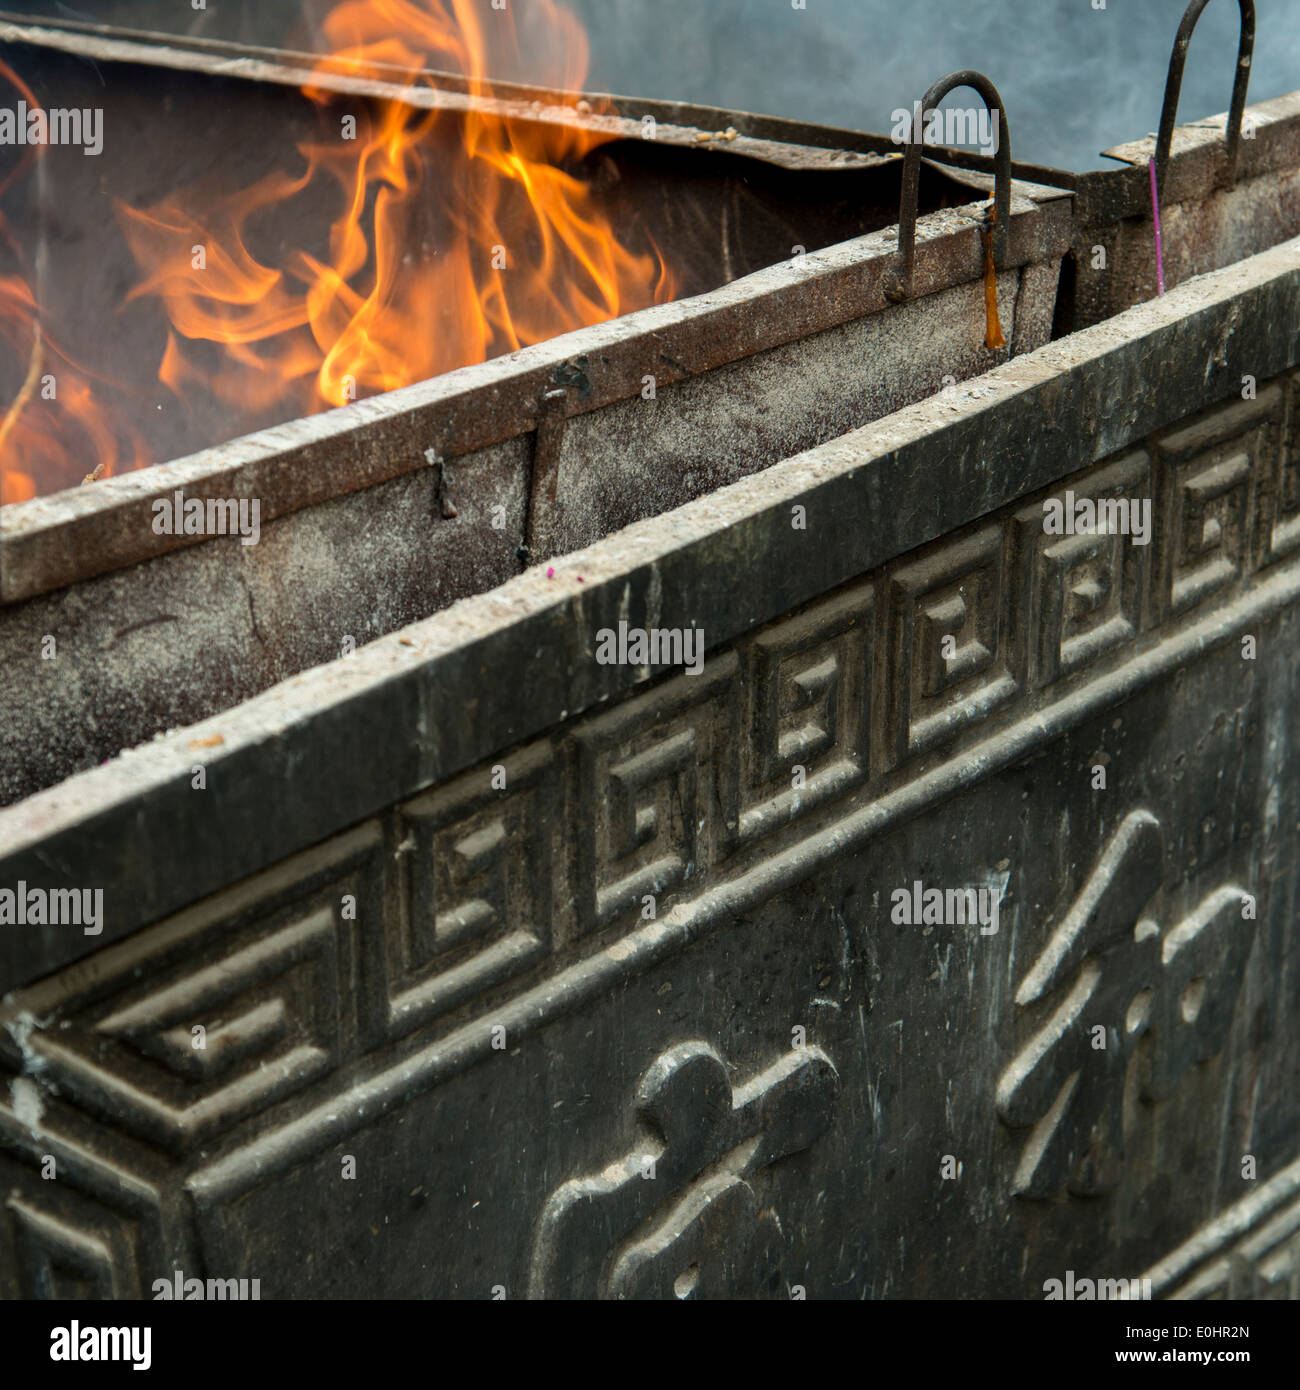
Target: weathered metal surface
x=158 y=630
x=880 y=492
x=365 y=563
x=453 y=1050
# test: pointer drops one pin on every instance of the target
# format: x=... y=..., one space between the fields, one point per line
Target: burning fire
x=459 y=236
x=57 y=421
x=57 y=428
x=520 y=253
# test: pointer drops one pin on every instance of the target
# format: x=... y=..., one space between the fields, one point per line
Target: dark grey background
x=1075 y=80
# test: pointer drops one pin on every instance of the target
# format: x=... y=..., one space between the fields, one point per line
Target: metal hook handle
x=902 y=286
x=1174 y=84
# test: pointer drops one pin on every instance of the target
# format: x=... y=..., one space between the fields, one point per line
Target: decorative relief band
x=340 y=982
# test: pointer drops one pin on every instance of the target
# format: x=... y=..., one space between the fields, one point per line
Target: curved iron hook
x=1174 y=84
x=901 y=287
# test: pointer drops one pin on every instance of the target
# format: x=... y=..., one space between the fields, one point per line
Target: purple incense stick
x=1155 y=210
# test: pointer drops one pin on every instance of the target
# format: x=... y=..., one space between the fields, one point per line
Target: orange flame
x=522 y=251
x=57 y=429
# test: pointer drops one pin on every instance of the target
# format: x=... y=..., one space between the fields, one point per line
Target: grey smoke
x=1075 y=80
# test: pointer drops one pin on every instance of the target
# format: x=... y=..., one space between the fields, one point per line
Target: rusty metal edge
x=771 y=139
x=407 y=690
x=683 y=121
